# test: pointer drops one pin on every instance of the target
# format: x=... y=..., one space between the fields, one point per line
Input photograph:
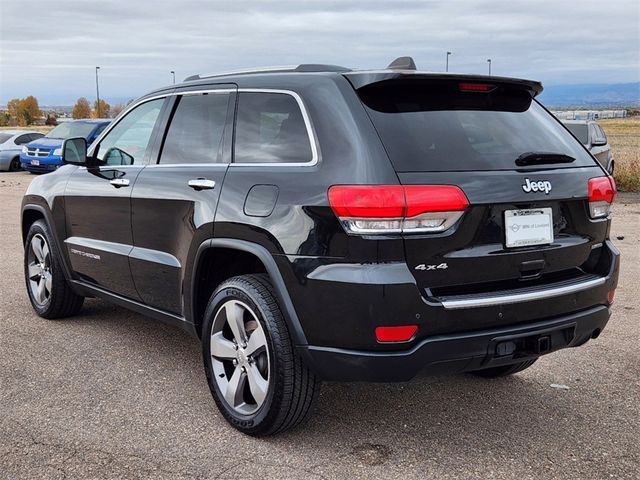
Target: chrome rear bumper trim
x=522 y=297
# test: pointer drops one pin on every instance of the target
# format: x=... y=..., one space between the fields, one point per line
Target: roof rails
x=305 y=67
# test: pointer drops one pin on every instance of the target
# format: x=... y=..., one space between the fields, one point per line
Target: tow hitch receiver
x=532 y=344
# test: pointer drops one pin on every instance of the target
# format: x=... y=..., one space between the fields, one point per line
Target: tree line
x=26 y=111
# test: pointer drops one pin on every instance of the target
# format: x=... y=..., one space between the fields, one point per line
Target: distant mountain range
x=596 y=95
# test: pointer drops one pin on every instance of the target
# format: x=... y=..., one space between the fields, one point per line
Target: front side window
x=270 y=129
x=128 y=141
x=196 y=130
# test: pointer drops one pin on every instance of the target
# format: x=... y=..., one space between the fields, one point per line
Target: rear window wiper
x=542 y=158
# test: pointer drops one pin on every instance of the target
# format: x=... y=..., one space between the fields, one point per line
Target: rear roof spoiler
x=361 y=79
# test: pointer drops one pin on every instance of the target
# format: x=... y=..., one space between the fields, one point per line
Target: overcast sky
x=49 y=48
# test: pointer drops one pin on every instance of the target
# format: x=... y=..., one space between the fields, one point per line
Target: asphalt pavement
x=113 y=394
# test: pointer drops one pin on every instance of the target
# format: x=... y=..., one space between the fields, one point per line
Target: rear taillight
x=602 y=191
x=392 y=209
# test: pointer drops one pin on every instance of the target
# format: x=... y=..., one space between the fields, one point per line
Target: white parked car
x=11 y=142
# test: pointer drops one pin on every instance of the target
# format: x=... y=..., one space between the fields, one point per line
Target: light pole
x=174 y=76
x=489 y=62
x=97 y=95
x=446 y=68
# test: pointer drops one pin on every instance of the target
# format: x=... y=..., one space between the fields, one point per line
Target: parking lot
x=113 y=394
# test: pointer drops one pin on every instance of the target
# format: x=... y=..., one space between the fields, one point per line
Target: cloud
x=138 y=43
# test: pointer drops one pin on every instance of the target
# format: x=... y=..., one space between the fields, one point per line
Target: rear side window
x=437 y=127
x=22 y=139
x=580 y=131
x=196 y=130
x=270 y=129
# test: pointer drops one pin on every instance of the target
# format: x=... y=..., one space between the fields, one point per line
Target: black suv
x=322 y=223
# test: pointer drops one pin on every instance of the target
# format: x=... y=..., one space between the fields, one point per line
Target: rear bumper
x=460 y=352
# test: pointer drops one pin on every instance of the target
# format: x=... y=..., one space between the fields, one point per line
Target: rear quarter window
x=270 y=128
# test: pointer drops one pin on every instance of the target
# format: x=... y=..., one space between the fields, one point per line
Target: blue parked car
x=45 y=154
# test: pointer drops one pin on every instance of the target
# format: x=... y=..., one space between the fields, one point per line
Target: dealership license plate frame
x=528 y=227
x=35 y=163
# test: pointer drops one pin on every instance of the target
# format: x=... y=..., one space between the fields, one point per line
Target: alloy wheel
x=240 y=357
x=39 y=269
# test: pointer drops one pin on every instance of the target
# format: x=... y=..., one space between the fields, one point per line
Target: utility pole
x=97 y=95
x=446 y=68
x=489 y=62
x=174 y=76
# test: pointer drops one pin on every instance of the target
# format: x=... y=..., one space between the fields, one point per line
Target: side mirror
x=598 y=142
x=74 y=151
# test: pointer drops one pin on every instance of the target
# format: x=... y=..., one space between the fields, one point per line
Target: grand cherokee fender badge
x=541 y=186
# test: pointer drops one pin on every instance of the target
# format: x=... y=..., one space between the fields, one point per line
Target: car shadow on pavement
x=371 y=422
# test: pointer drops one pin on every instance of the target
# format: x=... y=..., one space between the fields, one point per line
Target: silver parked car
x=592 y=136
x=11 y=142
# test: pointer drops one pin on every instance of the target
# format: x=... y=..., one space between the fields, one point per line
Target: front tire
x=48 y=289
x=504 y=370
x=257 y=380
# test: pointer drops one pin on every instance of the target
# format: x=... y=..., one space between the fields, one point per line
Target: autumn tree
x=30 y=109
x=82 y=108
x=13 y=109
x=103 y=111
x=24 y=111
x=116 y=110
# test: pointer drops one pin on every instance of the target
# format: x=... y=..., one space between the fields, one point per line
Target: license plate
x=35 y=162
x=528 y=227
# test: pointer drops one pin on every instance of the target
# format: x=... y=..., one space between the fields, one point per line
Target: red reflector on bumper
x=400 y=333
x=610 y=296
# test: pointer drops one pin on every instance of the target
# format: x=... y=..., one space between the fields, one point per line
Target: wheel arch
x=247 y=251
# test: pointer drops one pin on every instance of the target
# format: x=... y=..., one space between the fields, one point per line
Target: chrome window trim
x=305 y=116
x=522 y=297
x=307 y=122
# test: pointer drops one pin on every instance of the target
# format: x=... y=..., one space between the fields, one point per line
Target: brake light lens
x=602 y=192
x=393 y=209
x=395 y=334
x=475 y=87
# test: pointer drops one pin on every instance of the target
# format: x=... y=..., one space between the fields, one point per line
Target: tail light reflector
x=611 y=296
x=394 y=334
x=392 y=209
x=602 y=191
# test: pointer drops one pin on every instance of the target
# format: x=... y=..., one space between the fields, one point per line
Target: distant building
x=589 y=114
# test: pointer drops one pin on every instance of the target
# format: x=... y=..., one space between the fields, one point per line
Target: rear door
x=174 y=200
x=524 y=175
x=98 y=206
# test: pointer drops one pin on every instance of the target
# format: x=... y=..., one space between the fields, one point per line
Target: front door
x=97 y=200
x=174 y=201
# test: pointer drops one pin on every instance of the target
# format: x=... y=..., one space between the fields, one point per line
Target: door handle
x=202 y=184
x=120 y=182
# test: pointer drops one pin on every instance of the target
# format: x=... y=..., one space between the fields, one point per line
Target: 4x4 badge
x=541 y=186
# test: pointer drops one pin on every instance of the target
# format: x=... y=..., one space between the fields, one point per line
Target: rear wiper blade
x=542 y=158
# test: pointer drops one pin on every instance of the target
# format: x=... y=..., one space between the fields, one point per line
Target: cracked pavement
x=113 y=394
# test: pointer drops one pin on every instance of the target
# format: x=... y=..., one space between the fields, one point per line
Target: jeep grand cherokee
x=323 y=223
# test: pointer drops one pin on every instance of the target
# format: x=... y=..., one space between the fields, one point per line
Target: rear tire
x=504 y=370
x=48 y=289
x=14 y=166
x=257 y=380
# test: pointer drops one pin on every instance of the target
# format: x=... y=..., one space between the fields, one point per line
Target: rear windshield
x=436 y=127
x=580 y=131
x=5 y=136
